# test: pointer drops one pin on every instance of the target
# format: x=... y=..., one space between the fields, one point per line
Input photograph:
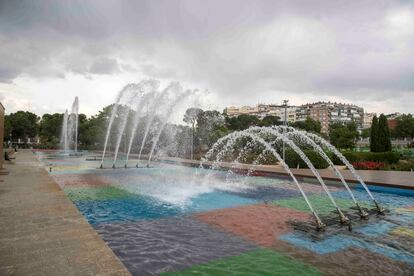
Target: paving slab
x=42 y=232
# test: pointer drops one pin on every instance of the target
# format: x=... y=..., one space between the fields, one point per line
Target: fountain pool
x=172 y=220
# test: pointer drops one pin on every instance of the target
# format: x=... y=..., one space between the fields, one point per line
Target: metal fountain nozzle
x=342 y=218
x=380 y=210
x=362 y=213
x=113 y=166
x=320 y=226
x=101 y=166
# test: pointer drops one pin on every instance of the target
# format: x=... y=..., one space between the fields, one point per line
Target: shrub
x=368 y=165
x=382 y=157
x=403 y=165
x=293 y=159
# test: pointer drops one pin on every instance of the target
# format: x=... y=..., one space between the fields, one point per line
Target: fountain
x=268 y=138
x=349 y=166
x=70 y=125
x=134 y=98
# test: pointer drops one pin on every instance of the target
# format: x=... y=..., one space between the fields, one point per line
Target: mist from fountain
x=147 y=92
x=133 y=98
x=173 y=104
x=127 y=89
x=158 y=100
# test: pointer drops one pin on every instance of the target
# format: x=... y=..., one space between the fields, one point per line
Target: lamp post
x=285 y=102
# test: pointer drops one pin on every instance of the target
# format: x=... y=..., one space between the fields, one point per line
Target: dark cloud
x=236 y=49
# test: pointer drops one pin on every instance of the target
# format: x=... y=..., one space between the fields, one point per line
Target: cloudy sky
x=242 y=51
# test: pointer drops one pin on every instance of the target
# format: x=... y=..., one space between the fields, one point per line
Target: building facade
x=324 y=112
x=367 y=121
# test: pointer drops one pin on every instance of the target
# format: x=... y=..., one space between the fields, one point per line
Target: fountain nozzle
x=101 y=166
x=113 y=166
x=342 y=218
x=320 y=226
x=362 y=213
x=380 y=210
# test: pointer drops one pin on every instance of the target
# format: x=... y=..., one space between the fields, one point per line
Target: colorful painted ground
x=174 y=220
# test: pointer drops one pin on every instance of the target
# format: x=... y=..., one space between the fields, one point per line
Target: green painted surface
x=321 y=203
x=96 y=193
x=260 y=262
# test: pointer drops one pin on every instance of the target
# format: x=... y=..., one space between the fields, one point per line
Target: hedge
x=294 y=161
x=384 y=157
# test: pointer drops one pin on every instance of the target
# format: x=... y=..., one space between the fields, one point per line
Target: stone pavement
x=42 y=232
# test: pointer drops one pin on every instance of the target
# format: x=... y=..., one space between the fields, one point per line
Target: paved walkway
x=394 y=179
x=42 y=232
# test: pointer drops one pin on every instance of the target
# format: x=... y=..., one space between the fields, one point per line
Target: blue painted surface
x=342 y=242
x=267 y=193
x=141 y=207
x=389 y=200
x=376 y=229
x=382 y=189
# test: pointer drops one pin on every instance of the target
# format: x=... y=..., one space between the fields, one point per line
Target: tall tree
x=343 y=136
x=50 y=129
x=22 y=125
x=405 y=126
x=210 y=127
x=384 y=139
x=374 y=135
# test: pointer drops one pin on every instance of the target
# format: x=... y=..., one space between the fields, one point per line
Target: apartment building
x=324 y=112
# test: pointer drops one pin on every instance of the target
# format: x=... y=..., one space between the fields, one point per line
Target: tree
x=50 y=129
x=241 y=122
x=343 y=136
x=210 y=127
x=270 y=121
x=309 y=125
x=366 y=133
x=405 y=126
x=383 y=140
x=374 y=135
x=22 y=125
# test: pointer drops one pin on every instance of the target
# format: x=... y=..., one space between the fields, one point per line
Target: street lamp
x=285 y=102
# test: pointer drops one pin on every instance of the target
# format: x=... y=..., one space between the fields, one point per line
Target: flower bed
x=368 y=165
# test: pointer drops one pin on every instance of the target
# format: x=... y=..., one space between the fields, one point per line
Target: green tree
x=241 y=122
x=405 y=126
x=22 y=125
x=374 y=135
x=366 y=133
x=384 y=139
x=343 y=136
x=270 y=121
x=309 y=125
x=50 y=129
x=210 y=127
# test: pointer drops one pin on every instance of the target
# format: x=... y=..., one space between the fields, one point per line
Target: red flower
x=368 y=165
